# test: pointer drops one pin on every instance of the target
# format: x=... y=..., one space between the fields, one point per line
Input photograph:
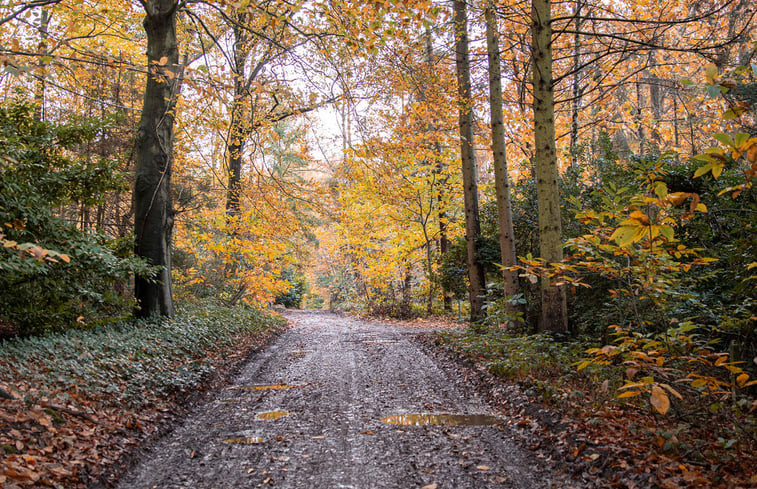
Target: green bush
x=293 y=297
x=132 y=362
x=54 y=275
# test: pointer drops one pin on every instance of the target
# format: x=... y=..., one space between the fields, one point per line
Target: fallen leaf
x=367 y=432
x=482 y=467
x=22 y=473
x=430 y=486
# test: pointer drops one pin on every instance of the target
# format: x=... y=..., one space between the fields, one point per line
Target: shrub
x=54 y=274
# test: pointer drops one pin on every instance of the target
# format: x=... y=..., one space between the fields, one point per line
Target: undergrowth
x=134 y=363
x=543 y=366
x=704 y=440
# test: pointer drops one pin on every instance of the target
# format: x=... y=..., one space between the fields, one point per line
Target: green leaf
x=713 y=90
x=667 y=231
x=660 y=190
x=624 y=235
x=724 y=138
x=740 y=138
x=711 y=72
x=686 y=82
x=717 y=169
x=729 y=114
x=702 y=170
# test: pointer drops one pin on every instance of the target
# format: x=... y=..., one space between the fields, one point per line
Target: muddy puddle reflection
x=244 y=440
x=267 y=387
x=423 y=419
x=269 y=415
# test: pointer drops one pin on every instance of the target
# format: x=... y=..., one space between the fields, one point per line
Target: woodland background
x=308 y=154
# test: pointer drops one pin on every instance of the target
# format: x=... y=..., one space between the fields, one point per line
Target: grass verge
x=74 y=404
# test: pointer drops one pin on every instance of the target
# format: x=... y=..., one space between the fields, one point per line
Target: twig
x=72 y=412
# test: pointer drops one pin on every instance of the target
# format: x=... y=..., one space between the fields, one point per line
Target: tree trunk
x=575 y=102
x=639 y=119
x=476 y=288
x=553 y=302
x=441 y=184
x=41 y=84
x=501 y=179
x=153 y=221
x=443 y=250
x=238 y=128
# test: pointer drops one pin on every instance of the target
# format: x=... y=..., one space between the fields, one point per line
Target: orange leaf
x=629 y=394
x=659 y=400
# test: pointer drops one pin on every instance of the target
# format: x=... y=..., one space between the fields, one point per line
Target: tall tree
x=553 y=300
x=153 y=207
x=476 y=287
x=501 y=179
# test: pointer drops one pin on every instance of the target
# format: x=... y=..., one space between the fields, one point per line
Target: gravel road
x=307 y=413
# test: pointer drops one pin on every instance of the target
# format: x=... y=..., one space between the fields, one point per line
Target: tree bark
x=476 y=288
x=553 y=301
x=239 y=127
x=501 y=179
x=153 y=207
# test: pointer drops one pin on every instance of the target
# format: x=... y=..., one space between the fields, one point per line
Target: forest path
x=345 y=374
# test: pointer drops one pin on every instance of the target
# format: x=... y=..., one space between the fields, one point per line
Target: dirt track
x=347 y=375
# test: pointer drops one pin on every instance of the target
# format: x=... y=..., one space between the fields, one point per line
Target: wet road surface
x=308 y=412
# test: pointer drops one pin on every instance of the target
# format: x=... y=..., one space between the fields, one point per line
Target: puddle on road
x=269 y=415
x=267 y=387
x=422 y=419
x=241 y=440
